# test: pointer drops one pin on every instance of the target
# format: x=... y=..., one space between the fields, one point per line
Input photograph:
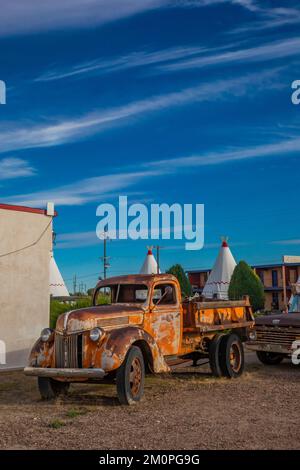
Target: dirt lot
x=189 y=410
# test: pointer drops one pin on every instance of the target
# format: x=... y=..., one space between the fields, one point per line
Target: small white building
x=57 y=284
x=217 y=284
x=150 y=265
x=25 y=247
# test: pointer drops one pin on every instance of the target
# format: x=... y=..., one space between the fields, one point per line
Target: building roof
x=256 y=266
x=32 y=210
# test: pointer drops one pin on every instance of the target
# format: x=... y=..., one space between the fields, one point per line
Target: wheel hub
x=135 y=376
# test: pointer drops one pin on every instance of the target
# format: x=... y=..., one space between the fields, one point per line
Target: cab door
x=163 y=320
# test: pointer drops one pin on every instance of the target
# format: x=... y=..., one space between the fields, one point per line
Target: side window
x=164 y=294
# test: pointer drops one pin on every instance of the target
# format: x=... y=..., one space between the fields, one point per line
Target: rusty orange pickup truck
x=145 y=326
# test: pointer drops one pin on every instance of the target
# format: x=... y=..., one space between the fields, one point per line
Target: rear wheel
x=131 y=377
x=232 y=359
x=50 y=389
x=214 y=355
x=269 y=358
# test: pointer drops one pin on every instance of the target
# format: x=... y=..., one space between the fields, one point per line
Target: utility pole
x=74 y=284
x=157 y=256
x=105 y=258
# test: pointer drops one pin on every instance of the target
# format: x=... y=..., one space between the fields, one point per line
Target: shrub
x=244 y=281
x=178 y=271
x=57 y=308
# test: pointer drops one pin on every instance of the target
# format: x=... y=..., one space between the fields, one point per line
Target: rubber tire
x=269 y=358
x=214 y=355
x=225 y=346
x=50 y=389
x=122 y=378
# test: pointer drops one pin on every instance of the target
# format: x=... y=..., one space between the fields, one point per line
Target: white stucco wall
x=24 y=282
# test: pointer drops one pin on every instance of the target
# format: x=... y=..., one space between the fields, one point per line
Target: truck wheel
x=269 y=358
x=231 y=356
x=131 y=377
x=50 y=389
x=214 y=353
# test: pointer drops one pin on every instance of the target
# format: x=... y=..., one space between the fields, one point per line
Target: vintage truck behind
x=145 y=328
x=276 y=337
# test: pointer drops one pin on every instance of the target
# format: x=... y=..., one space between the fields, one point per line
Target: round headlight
x=95 y=334
x=46 y=334
x=252 y=335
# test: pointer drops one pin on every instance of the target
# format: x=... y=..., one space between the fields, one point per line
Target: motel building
x=276 y=278
x=25 y=253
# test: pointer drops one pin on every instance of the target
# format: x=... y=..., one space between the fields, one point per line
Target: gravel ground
x=188 y=410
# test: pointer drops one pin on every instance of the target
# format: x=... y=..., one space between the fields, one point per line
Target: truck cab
x=138 y=324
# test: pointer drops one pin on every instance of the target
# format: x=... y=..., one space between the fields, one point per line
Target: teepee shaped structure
x=217 y=284
x=150 y=264
x=57 y=285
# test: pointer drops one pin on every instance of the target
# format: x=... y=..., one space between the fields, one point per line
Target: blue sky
x=163 y=101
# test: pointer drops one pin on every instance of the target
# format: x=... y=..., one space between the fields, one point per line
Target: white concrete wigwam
x=150 y=264
x=217 y=284
x=57 y=285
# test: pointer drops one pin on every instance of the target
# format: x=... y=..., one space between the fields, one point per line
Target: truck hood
x=103 y=316
x=281 y=319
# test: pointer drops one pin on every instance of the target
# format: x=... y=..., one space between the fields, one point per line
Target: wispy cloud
x=283 y=147
x=11 y=168
x=33 y=16
x=85 y=190
x=295 y=241
x=132 y=60
x=70 y=130
x=270 y=51
x=109 y=186
x=270 y=18
x=77 y=239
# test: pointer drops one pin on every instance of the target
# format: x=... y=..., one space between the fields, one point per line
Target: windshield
x=121 y=294
x=295 y=304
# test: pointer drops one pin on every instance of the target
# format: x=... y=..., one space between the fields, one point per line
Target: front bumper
x=268 y=347
x=65 y=373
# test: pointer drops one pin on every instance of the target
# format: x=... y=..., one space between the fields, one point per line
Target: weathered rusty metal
x=162 y=331
x=277 y=339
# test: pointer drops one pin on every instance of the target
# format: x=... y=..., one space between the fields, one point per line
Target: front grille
x=277 y=335
x=68 y=351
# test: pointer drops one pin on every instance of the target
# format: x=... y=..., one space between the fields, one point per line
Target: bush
x=178 y=271
x=244 y=281
x=57 y=308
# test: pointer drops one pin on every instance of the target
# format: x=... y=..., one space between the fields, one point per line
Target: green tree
x=178 y=271
x=244 y=281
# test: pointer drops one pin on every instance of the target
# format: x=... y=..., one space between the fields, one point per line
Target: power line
x=30 y=245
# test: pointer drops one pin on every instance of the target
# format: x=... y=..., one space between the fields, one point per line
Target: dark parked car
x=277 y=336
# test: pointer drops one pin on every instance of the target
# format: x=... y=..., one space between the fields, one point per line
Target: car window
x=122 y=293
x=164 y=294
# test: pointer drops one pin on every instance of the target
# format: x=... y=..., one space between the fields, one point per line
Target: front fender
x=41 y=354
x=119 y=341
